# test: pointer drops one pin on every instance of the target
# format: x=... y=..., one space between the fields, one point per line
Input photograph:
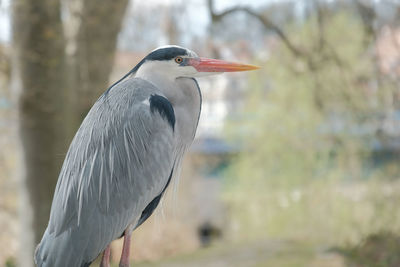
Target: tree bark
x=54 y=94
x=96 y=44
x=39 y=58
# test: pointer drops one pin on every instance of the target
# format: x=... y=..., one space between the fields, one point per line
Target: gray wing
x=120 y=160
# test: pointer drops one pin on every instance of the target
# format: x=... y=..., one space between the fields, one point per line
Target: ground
x=255 y=254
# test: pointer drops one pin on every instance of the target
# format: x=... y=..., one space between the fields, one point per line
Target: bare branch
x=268 y=24
x=320 y=24
x=368 y=16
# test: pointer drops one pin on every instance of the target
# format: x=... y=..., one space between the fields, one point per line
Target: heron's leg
x=124 y=262
x=105 y=260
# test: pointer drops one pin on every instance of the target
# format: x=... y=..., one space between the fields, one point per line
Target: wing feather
x=119 y=160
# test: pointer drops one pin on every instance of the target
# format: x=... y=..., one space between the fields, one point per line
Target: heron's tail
x=55 y=251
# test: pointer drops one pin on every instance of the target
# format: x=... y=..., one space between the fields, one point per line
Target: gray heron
x=124 y=155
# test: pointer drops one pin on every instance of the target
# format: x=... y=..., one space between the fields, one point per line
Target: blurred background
x=296 y=164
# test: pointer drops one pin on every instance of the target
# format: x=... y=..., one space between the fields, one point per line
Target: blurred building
x=388 y=50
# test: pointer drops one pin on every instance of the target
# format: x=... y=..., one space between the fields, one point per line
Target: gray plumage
x=123 y=156
x=118 y=162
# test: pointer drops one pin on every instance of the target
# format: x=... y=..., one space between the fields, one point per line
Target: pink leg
x=105 y=260
x=124 y=262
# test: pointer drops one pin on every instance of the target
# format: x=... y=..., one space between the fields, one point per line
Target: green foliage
x=305 y=146
x=377 y=250
x=10 y=263
x=289 y=138
x=321 y=212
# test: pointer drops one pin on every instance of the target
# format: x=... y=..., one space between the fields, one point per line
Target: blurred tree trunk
x=54 y=95
x=39 y=65
x=96 y=42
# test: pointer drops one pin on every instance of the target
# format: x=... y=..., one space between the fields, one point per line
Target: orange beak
x=215 y=65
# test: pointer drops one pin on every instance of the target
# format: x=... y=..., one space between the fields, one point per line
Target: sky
x=4 y=21
x=196 y=11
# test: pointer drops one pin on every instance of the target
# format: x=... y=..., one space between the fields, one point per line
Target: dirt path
x=255 y=254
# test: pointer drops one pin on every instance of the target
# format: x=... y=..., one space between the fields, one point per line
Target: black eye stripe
x=167 y=53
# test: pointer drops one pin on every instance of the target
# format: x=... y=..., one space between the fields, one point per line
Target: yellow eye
x=178 y=60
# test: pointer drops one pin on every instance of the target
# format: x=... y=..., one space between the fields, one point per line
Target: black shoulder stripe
x=164 y=107
x=148 y=211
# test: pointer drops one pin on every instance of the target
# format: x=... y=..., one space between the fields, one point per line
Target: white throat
x=155 y=70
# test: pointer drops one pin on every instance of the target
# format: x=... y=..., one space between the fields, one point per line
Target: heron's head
x=175 y=61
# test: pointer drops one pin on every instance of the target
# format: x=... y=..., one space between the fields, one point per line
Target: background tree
x=325 y=116
x=55 y=89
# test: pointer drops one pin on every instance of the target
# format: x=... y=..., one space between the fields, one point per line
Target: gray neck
x=187 y=106
x=185 y=97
